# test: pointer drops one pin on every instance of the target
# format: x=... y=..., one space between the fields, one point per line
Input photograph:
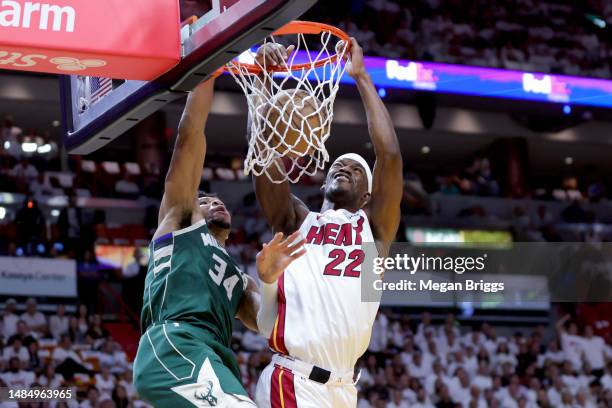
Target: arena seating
x=539 y=36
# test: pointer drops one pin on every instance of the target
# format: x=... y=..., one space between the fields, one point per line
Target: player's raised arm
x=284 y=212
x=387 y=186
x=183 y=178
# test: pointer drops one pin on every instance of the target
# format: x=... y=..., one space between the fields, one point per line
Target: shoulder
x=170 y=226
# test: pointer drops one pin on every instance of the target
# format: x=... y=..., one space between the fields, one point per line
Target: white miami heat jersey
x=321 y=319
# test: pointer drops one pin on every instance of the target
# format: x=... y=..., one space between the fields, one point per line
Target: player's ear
x=323 y=186
x=365 y=199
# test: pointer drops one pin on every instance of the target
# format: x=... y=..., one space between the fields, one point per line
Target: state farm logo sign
x=40 y=16
x=68 y=64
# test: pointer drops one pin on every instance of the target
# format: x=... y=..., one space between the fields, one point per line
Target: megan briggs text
x=421 y=285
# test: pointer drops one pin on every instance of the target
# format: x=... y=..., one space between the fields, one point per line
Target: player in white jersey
x=312 y=313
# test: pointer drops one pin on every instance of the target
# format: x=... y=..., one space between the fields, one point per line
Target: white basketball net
x=269 y=152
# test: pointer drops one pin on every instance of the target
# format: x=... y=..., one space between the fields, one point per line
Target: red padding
x=126 y=39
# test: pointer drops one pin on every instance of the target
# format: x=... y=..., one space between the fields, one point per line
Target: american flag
x=99 y=87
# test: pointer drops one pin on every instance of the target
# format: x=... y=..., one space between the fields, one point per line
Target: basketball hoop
x=280 y=130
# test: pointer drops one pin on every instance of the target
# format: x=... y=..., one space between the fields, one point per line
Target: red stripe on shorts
x=275 y=401
x=282 y=390
x=277 y=340
x=288 y=390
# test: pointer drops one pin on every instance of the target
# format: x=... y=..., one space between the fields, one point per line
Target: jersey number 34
x=217 y=273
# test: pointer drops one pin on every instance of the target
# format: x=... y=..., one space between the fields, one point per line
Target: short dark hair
x=204 y=194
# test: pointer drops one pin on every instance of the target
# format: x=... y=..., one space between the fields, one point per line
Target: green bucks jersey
x=192 y=279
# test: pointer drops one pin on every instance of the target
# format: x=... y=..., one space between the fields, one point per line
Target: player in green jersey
x=194 y=289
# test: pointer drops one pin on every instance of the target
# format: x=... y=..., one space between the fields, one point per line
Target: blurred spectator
x=23 y=334
x=49 y=378
x=93 y=397
x=96 y=331
x=15 y=377
x=111 y=356
x=74 y=330
x=10 y=136
x=120 y=397
x=133 y=279
x=24 y=172
x=9 y=318
x=16 y=349
x=83 y=317
x=89 y=279
x=72 y=227
x=594 y=351
x=30 y=224
x=34 y=362
x=36 y=321
x=58 y=323
x=105 y=381
x=67 y=361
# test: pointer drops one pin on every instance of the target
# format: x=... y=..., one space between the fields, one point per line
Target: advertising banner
x=38 y=277
x=110 y=38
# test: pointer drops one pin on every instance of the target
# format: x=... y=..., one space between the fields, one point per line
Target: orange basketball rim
x=295 y=28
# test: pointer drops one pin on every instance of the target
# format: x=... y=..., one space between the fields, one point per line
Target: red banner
x=126 y=39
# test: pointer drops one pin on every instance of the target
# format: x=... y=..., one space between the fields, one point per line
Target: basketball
x=295 y=124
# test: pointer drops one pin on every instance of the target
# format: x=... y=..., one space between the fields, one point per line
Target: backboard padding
x=213 y=42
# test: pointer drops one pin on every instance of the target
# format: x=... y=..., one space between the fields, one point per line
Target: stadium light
x=2 y=213
x=596 y=20
x=46 y=148
x=29 y=147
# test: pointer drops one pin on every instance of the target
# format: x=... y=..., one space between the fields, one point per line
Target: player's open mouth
x=342 y=176
x=219 y=210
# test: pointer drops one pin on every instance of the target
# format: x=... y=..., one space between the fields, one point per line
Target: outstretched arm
x=387 y=183
x=284 y=212
x=183 y=177
x=272 y=261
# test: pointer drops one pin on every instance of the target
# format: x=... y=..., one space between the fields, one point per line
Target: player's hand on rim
x=277 y=255
x=273 y=54
x=355 y=66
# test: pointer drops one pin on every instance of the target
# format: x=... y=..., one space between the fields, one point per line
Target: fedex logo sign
x=415 y=72
x=37 y=15
x=554 y=88
x=538 y=86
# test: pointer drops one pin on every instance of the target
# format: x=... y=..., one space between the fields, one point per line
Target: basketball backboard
x=96 y=110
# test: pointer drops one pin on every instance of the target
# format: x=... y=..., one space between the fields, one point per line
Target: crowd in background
x=539 y=36
x=72 y=230
x=422 y=364
x=62 y=350
x=410 y=362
